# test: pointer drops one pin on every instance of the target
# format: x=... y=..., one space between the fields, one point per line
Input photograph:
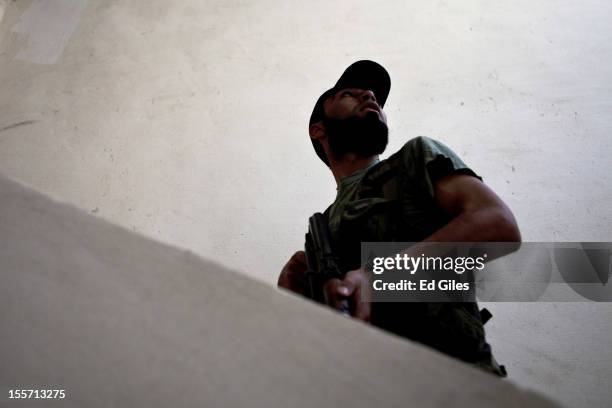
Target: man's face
x=355 y=123
x=353 y=102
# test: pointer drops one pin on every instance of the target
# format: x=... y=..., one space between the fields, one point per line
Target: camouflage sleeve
x=427 y=160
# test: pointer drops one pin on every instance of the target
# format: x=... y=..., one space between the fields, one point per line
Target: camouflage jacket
x=393 y=200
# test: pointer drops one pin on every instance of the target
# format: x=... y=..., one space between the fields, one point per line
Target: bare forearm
x=492 y=224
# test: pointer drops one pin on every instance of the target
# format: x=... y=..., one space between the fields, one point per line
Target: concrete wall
x=186 y=121
x=116 y=319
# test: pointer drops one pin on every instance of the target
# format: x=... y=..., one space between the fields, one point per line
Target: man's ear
x=317 y=131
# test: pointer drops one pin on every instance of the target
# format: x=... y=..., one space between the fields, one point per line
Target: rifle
x=321 y=261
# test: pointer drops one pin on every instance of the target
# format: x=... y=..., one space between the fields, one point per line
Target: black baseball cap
x=364 y=74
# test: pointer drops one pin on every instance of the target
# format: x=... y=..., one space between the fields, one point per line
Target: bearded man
x=422 y=193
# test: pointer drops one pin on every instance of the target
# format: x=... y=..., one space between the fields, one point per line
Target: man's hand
x=293 y=275
x=355 y=288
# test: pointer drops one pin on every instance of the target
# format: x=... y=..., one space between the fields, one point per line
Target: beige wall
x=186 y=121
x=116 y=319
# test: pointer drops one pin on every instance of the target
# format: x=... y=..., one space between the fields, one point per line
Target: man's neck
x=349 y=164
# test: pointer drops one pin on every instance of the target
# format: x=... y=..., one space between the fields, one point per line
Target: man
x=423 y=192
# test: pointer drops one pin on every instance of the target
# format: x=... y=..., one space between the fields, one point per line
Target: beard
x=364 y=136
